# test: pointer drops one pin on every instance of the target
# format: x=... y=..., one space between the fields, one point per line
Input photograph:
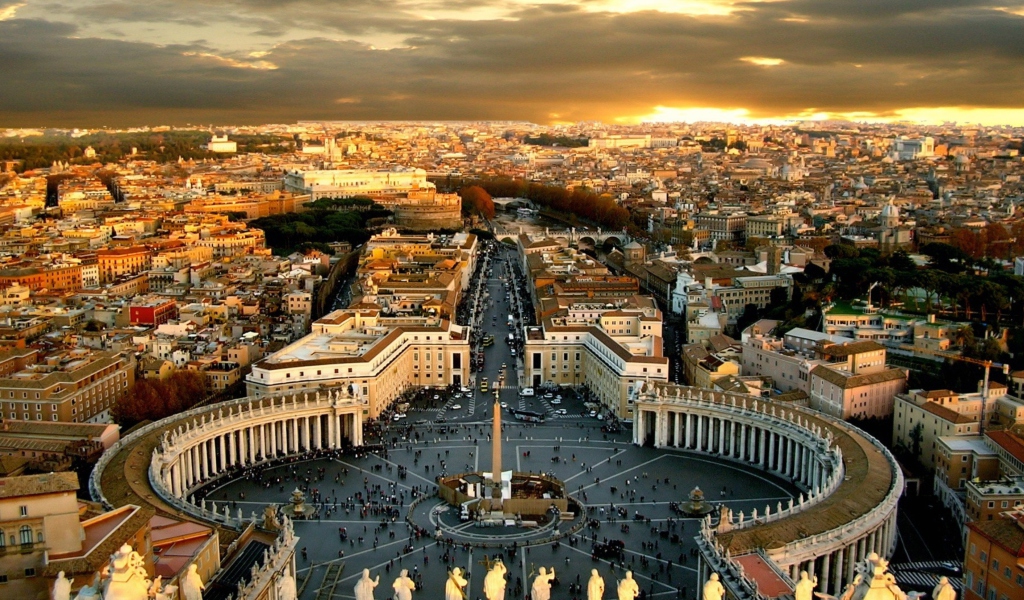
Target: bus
x=529 y=416
x=483 y=385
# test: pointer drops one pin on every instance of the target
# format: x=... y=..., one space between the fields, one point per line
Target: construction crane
x=987 y=364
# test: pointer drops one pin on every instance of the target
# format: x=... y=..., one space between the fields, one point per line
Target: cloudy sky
x=124 y=62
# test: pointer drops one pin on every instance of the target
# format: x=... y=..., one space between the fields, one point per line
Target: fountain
x=697 y=506
x=297 y=508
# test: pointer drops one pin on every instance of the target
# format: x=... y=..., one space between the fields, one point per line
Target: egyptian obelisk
x=496 y=452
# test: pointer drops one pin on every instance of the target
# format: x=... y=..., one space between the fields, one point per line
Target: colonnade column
x=698 y=443
x=721 y=437
x=263 y=441
x=823 y=579
x=838 y=577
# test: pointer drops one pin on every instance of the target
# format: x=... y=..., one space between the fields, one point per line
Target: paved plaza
x=605 y=471
x=627 y=491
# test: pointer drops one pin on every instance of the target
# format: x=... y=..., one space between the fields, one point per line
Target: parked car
x=526 y=392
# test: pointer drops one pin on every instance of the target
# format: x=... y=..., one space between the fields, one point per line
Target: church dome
x=890 y=210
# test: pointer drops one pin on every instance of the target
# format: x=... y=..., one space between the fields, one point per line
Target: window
x=26 y=535
x=23 y=511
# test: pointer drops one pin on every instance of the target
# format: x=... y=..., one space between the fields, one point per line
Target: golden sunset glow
x=546 y=61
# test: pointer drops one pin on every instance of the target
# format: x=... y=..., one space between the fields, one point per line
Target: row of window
x=24 y=536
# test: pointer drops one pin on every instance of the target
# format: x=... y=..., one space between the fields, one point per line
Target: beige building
x=992 y=566
x=608 y=349
x=845 y=395
x=377 y=357
x=116 y=262
x=921 y=417
x=78 y=386
x=42 y=532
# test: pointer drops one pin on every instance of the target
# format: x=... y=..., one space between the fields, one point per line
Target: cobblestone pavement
x=606 y=472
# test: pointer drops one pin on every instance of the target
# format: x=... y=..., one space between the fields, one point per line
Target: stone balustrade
x=267 y=578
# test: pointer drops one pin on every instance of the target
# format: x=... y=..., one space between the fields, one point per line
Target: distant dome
x=890 y=210
x=633 y=246
x=757 y=163
x=961 y=159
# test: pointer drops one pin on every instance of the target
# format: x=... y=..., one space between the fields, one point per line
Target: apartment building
x=766 y=226
x=846 y=395
x=236 y=243
x=921 y=417
x=789 y=361
x=117 y=262
x=78 y=386
x=993 y=569
x=152 y=311
x=51 y=277
x=728 y=227
x=371 y=356
x=959 y=459
x=729 y=295
x=853 y=381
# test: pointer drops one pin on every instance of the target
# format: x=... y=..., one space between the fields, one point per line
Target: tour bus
x=483 y=385
x=529 y=416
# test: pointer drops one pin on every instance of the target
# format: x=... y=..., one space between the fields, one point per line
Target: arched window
x=3 y=539
x=26 y=535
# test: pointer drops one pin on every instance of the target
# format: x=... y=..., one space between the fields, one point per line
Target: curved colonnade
x=192 y=449
x=851 y=483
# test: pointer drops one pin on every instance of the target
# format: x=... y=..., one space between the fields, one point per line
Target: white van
x=526 y=392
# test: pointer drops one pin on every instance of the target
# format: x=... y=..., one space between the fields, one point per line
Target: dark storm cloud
x=838 y=56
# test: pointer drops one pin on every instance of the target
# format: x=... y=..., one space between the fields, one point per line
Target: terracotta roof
x=851 y=348
x=1009 y=442
x=945 y=413
x=99 y=555
x=32 y=485
x=848 y=381
x=1004 y=532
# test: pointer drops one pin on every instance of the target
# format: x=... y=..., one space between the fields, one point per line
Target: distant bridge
x=571 y=237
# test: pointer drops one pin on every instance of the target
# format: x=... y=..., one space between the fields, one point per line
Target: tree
x=477 y=199
x=997 y=240
x=968 y=241
x=841 y=251
x=945 y=257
